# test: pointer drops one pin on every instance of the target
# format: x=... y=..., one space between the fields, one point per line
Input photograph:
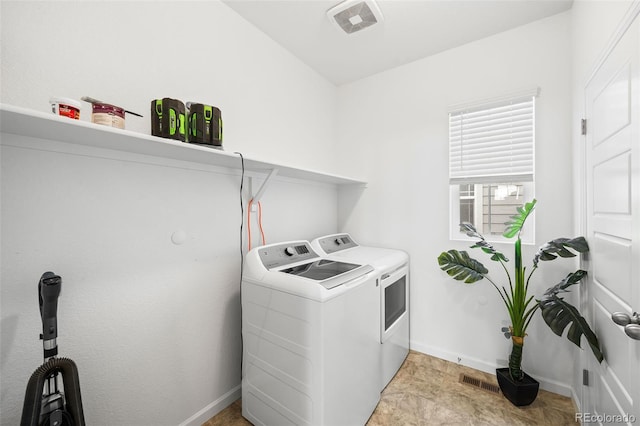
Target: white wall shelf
x=37 y=124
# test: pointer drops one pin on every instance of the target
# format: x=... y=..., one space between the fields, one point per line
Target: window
x=491 y=163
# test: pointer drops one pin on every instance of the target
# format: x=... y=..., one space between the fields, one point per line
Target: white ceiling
x=411 y=30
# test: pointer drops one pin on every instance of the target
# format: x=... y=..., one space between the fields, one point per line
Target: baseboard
x=576 y=400
x=214 y=408
x=468 y=361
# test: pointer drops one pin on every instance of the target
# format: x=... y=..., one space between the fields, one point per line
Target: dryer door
x=394 y=300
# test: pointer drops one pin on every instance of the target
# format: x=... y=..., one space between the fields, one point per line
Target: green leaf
x=517 y=221
x=569 y=280
x=461 y=267
x=471 y=231
x=558 y=314
x=559 y=247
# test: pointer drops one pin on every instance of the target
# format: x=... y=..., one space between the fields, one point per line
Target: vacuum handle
x=48 y=292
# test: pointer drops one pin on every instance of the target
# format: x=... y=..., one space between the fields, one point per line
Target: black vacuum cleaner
x=53 y=392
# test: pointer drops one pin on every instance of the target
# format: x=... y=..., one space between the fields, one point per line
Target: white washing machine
x=392 y=270
x=310 y=338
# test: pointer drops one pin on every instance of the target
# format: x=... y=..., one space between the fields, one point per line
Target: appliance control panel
x=279 y=255
x=338 y=242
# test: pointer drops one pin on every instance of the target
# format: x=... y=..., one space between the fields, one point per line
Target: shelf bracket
x=258 y=195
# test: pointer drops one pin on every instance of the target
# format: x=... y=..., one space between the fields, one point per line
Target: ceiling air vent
x=355 y=15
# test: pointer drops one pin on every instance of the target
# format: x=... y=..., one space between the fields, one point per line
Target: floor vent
x=480 y=384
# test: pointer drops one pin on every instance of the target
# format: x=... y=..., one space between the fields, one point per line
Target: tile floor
x=427 y=391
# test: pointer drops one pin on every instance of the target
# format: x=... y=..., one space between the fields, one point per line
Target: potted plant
x=557 y=313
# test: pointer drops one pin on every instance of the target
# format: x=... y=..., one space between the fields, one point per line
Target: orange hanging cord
x=249 y=224
x=264 y=241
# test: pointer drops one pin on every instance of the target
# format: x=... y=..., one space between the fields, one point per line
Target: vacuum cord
x=241 y=258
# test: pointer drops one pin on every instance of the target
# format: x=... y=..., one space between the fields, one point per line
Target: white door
x=612 y=198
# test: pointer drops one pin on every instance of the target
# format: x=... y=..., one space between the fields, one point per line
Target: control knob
x=290 y=251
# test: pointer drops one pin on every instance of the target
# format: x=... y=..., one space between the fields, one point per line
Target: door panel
x=614 y=256
x=611 y=107
x=611 y=189
x=612 y=228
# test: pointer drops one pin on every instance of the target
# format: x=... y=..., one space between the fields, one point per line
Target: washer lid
x=296 y=262
x=321 y=270
x=326 y=272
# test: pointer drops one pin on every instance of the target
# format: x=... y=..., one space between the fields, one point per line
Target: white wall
x=593 y=26
x=128 y=53
x=154 y=327
x=396 y=124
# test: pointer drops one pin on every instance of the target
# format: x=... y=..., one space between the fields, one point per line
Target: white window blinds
x=493 y=143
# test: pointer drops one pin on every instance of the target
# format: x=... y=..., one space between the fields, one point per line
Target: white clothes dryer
x=392 y=270
x=310 y=338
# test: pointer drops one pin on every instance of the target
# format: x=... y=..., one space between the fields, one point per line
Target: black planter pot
x=519 y=393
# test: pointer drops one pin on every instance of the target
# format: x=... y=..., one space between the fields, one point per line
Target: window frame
x=527 y=179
